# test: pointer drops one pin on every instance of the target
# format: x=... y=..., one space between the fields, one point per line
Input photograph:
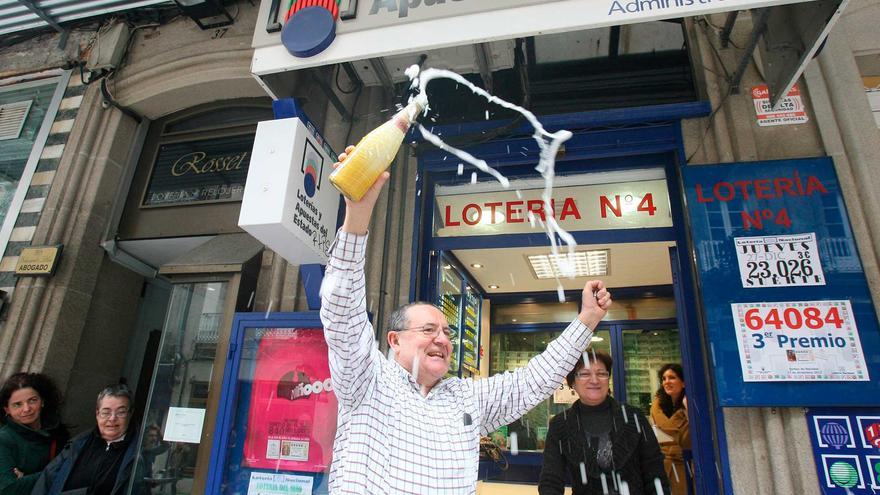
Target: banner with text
x=292 y=416
x=789 y=316
x=375 y=28
x=624 y=205
x=800 y=340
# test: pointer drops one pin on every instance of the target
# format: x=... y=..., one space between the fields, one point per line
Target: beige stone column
x=47 y=316
x=768 y=448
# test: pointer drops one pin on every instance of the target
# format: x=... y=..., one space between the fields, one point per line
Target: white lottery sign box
x=289 y=204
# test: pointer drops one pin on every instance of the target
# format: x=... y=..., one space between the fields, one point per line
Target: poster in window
x=292 y=415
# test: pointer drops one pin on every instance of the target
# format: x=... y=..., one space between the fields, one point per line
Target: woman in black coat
x=603 y=447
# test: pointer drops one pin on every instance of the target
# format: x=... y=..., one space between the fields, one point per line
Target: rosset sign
x=203 y=171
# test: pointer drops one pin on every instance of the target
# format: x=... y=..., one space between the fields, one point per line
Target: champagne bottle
x=373 y=154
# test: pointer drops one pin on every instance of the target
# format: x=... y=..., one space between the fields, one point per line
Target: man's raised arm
x=505 y=397
x=349 y=334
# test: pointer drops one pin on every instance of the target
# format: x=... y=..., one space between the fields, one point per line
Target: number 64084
x=793 y=318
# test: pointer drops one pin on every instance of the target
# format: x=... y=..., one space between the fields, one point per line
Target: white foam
x=548 y=146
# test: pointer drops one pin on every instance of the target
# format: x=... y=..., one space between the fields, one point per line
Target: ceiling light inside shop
x=476 y=265
x=578 y=264
x=493 y=286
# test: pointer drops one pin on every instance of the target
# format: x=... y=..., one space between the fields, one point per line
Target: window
x=26 y=114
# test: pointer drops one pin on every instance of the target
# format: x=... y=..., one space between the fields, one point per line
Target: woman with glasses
x=669 y=413
x=600 y=445
x=32 y=433
x=98 y=461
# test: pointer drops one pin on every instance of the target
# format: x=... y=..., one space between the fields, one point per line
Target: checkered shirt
x=391 y=439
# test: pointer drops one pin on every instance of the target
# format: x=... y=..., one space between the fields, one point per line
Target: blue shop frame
x=226 y=472
x=766 y=199
x=626 y=139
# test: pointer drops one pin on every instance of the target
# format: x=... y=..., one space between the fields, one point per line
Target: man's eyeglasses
x=121 y=413
x=430 y=331
x=586 y=375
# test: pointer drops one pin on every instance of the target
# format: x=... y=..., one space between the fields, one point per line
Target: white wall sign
x=626 y=205
x=798 y=341
x=279 y=484
x=393 y=27
x=184 y=424
x=789 y=110
x=779 y=261
x=289 y=204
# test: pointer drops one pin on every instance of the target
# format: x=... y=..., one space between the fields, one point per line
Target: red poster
x=292 y=416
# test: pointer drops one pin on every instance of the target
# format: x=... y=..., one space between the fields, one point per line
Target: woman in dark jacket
x=603 y=446
x=32 y=433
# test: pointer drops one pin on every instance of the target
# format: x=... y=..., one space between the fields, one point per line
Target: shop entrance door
x=484 y=239
x=640 y=333
x=183 y=384
x=208 y=286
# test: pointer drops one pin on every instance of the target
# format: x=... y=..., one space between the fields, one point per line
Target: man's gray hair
x=398 y=319
x=119 y=390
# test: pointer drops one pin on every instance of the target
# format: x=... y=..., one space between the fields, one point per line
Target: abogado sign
x=289 y=204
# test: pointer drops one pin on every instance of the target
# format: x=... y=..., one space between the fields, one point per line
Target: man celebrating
x=402 y=428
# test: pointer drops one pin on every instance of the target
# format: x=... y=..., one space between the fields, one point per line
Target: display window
x=279 y=411
x=513 y=350
x=645 y=351
x=27 y=111
x=461 y=304
x=640 y=334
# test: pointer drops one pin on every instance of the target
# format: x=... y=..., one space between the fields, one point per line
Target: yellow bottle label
x=372 y=155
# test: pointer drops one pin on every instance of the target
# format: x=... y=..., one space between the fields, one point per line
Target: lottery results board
x=779 y=261
x=787 y=309
x=799 y=340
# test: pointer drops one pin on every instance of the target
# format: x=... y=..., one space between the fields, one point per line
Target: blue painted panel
x=694 y=347
x=846 y=448
x=724 y=202
x=226 y=473
x=583 y=144
x=581 y=120
x=312 y=275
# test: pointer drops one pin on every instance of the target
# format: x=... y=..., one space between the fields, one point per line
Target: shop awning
x=374 y=32
x=22 y=15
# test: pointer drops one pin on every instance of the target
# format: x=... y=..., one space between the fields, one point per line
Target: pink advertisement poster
x=292 y=415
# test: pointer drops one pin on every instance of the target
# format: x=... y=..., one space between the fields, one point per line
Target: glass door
x=449 y=299
x=179 y=398
x=645 y=350
x=461 y=303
